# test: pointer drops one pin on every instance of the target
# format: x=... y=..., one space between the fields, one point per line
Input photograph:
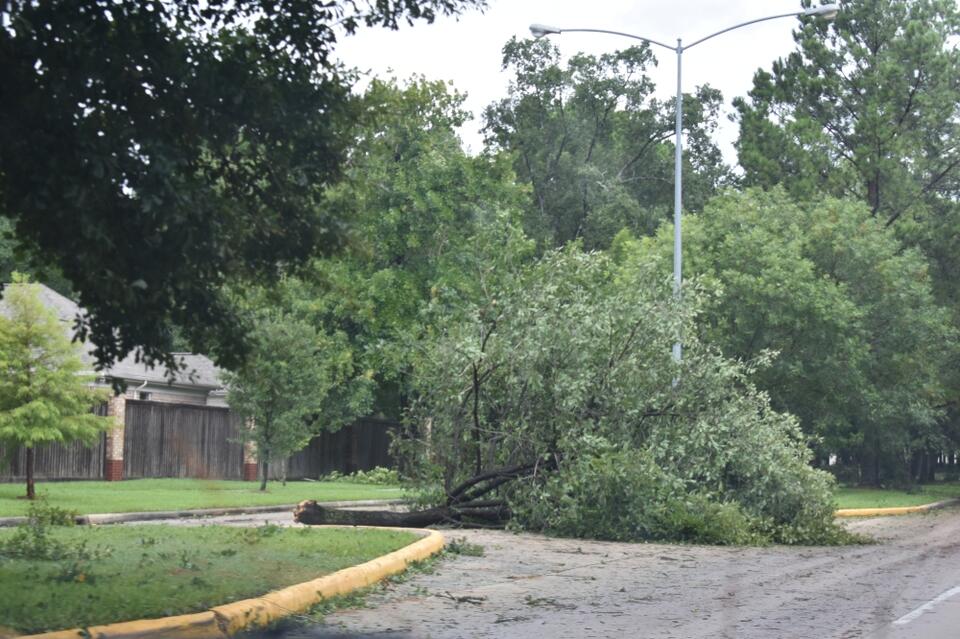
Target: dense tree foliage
x=155 y=150
x=566 y=364
x=46 y=395
x=594 y=144
x=419 y=204
x=421 y=208
x=867 y=108
x=860 y=343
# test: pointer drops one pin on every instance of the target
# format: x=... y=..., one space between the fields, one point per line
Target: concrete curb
x=225 y=621
x=117 y=518
x=898 y=510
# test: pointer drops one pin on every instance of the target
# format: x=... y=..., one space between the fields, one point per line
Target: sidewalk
x=116 y=518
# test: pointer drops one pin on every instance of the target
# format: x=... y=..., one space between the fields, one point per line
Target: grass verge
x=87 y=497
x=884 y=498
x=119 y=573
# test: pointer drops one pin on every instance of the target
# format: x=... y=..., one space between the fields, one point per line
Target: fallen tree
x=556 y=404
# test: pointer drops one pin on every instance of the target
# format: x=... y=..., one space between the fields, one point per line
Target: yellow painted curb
x=196 y=626
x=896 y=510
x=225 y=621
x=264 y=610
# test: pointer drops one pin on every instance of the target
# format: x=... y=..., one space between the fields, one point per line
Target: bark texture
x=467 y=504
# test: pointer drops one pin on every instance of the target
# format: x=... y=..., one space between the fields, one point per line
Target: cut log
x=311 y=513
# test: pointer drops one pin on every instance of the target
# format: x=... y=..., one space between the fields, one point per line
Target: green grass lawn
x=883 y=498
x=159 y=570
x=87 y=497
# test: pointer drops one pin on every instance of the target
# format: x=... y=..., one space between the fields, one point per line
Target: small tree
x=45 y=396
x=295 y=382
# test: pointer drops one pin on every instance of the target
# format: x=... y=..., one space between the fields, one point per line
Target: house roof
x=198 y=371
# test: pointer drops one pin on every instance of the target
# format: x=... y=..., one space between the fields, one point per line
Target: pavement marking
x=910 y=616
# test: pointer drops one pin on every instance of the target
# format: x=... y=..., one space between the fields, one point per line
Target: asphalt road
x=905 y=587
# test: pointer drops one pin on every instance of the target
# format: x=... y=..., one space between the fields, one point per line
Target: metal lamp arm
x=743 y=24
x=619 y=33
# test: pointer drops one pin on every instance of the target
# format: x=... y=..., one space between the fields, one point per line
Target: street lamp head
x=540 y=30
x=828 y=11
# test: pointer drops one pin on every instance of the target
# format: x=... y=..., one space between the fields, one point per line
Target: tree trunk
x=309 y=512
x=876 y=465
x=266 y=468
x=466 y=504
x=31 y=489
x=931 y=471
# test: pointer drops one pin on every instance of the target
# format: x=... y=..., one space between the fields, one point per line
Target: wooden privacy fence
x=363 y=445
x=180 y=440
x=57 y=461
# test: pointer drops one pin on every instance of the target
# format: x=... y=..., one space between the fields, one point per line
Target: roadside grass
x=849 y=497
x=134 y=572
x=133 y=495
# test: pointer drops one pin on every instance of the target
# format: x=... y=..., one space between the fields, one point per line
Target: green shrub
x=43 y=513
x=376 y=476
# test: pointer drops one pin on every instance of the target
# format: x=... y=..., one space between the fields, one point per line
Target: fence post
x=249 y=456
x=113 y=463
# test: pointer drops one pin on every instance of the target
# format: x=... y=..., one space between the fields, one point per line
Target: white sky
x=468 y=51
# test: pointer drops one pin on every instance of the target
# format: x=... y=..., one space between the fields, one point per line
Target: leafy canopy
x=155 y=150
x=593 y=144
x=861 y=344
x=420 y=205
x=865 y=107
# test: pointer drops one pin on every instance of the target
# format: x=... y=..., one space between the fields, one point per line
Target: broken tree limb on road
x=466 y=505
x=310 y=512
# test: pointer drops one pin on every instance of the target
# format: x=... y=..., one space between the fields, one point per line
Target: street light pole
x=678 y=194
x=827 y=11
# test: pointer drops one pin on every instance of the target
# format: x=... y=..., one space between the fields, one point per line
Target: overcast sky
x=468 y=51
